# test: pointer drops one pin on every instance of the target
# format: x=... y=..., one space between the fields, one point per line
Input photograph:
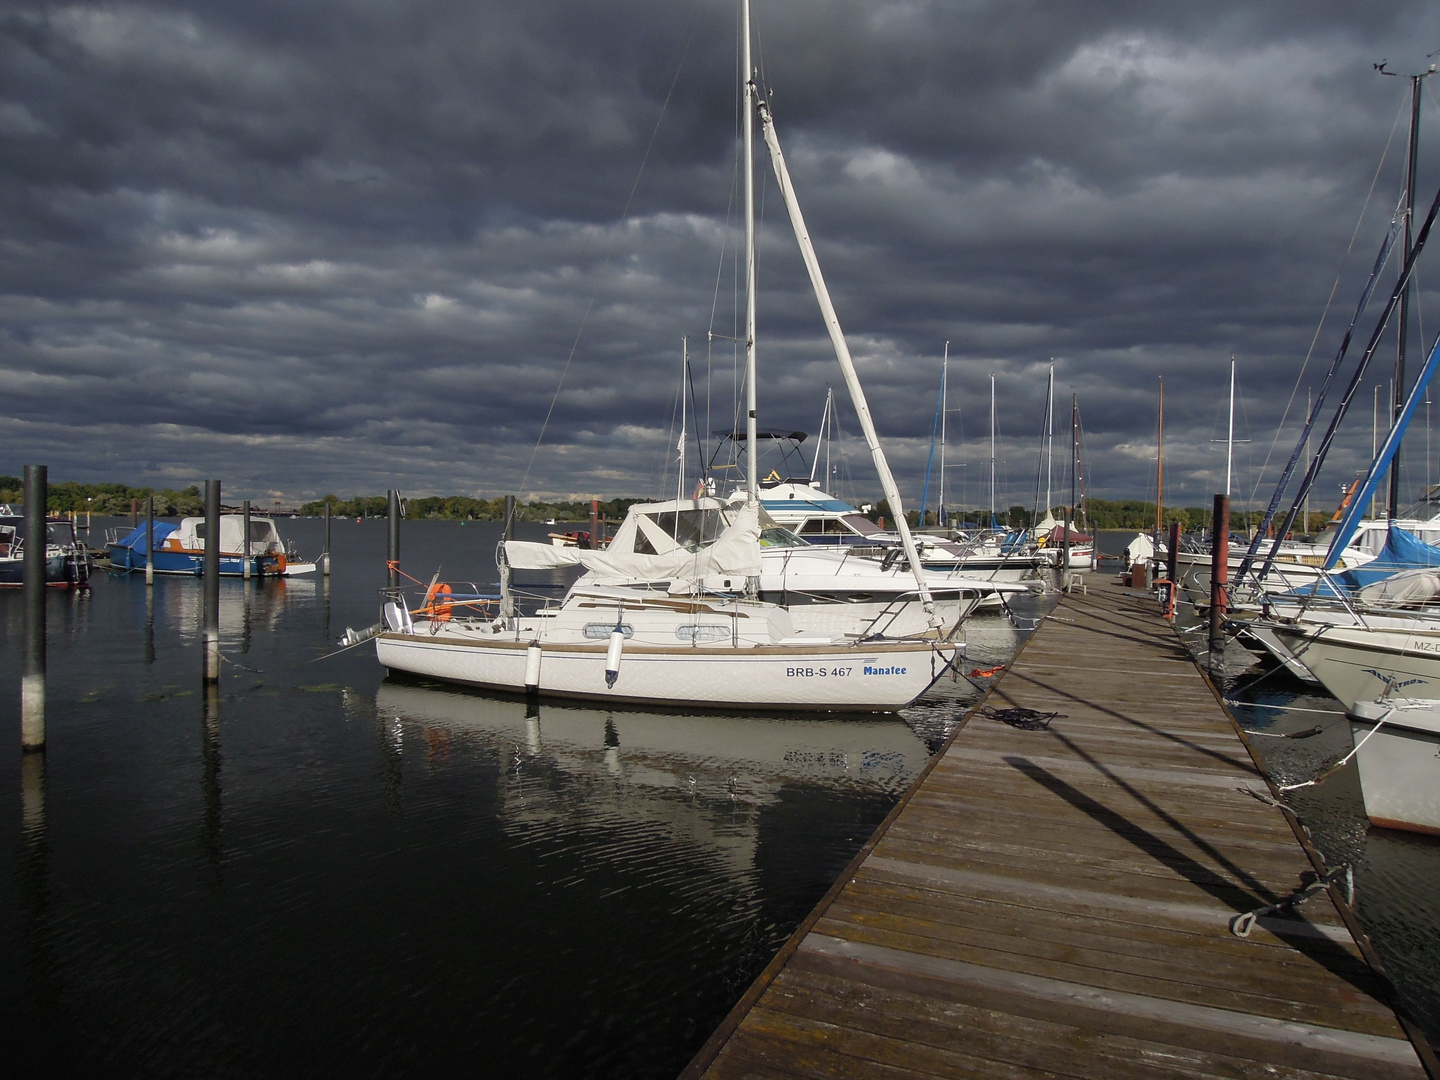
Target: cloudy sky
x=348 y=245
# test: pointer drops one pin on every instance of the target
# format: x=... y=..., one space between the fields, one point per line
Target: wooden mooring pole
x=212 y=582
x=392 y=543
x=32 y=672
x=1219 y=576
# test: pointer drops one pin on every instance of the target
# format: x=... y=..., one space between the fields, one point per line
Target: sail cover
x=736 y=552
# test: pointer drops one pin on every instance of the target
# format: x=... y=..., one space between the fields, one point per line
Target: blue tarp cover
x=135 y=539
x=1402 y=551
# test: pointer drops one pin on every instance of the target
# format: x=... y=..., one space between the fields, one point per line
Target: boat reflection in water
x=704 y=775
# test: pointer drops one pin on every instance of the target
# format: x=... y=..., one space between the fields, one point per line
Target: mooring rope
x=1242 y=924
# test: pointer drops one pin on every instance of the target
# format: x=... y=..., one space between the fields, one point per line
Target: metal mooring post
x=507 y=601
x=245 y=542
x=392 y=544
x=1219 y=576
x=32 y=672
x=1172 y=566
x=326 y=555
x=150 y=540
x=212 y=582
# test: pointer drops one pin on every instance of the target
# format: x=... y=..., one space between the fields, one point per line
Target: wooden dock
x=1058 y=902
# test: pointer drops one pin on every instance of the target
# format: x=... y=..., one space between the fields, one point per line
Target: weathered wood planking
x=1057 y=903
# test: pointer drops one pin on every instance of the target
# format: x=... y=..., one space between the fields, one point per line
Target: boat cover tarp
x=1407 y=570
x=736 y=552
x=1056 y=536
x=135 y=538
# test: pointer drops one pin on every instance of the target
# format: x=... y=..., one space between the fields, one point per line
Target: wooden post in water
x=150 y=540
x=325 y=556
x=212 y=582
x=1219 y=577
x=507 y=601
x=245 y=540
x=392 y=541
x=32 y=672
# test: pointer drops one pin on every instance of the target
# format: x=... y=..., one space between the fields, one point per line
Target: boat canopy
x=686 y=539
x=135 y=538
x=1407 y=571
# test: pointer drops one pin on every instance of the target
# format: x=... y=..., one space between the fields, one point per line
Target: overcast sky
x=348 y=245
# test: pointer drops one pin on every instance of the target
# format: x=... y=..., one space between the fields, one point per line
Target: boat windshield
x=776 y=537
x=690 y=529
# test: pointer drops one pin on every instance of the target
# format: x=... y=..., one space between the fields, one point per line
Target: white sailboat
x=689 y=646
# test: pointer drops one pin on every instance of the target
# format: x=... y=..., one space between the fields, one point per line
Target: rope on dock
x=1242 y=924
x=1024 y=719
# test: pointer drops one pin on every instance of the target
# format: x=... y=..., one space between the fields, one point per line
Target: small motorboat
x=180 y=549
x=67 y=561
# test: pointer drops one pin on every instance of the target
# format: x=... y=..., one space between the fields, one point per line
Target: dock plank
x=1057 y=903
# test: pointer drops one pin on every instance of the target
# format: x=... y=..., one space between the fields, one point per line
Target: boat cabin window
x=776 y=537
x=861 y=524
x=260 y=530
x=702 y=632
x=601 y=631
x=691 y=529
x=60 y=532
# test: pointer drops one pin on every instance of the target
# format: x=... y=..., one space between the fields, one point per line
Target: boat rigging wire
x=1324 y=315
x=610 y=254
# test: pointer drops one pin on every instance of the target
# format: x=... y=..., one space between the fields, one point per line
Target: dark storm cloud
x=344 y=246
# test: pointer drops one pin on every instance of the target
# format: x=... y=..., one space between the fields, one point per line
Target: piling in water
x=32 y=672
x=245 y=541
x=1219 y=576
x=507 y=601
x=212 y=581
x=325 y=556
x=392 y=542
x=150 y=540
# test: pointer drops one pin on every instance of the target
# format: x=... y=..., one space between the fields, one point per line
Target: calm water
x=1397 y=874
x=324 y=873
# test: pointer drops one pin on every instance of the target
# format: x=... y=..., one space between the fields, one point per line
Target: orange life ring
x=439 y=611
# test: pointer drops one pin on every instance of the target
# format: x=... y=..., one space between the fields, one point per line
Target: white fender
x=612 y=656
x=532 y=668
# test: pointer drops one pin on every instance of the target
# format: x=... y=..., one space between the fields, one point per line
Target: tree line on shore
x=117 y=500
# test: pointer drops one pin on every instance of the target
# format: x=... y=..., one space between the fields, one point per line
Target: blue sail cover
x=135 y=539
x=1402 y=551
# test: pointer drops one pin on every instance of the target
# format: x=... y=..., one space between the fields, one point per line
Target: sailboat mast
x=944 y=390
x=1230 y=436
x=1074 y=453
x=992 y=449
x=1403 y=334
x=1050 y=438
x=1160 y=466
x=847 y=362
x=747 y=128
x=684 y=368
x=1306 y=527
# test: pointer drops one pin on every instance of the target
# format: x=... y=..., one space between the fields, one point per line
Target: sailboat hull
x=864 y=678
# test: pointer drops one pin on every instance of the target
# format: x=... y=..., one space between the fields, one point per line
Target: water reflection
x=705 y=777
x=213 y=811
